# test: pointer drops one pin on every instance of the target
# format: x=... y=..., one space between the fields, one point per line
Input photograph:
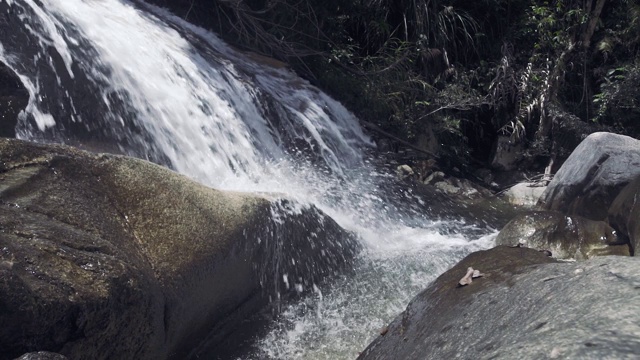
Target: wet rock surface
x=13 y=99
x=593 y=175
x=479 y=207
x=566 y=236
x=526 y=306
x=105 y=256
x=624 y=213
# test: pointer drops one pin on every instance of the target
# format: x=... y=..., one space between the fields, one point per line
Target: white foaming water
x=227 y=121
x=340 y=323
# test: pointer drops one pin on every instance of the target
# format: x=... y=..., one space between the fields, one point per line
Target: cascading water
x=116 y=76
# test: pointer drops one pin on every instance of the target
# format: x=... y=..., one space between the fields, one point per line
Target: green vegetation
x=543 y=72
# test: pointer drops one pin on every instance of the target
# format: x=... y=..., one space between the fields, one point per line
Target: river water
x=130 y=78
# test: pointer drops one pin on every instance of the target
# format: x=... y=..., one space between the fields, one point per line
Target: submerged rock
x=566 y=236
x=593 y=175
x=404 y=171
x=106 y=256
x=523 y=308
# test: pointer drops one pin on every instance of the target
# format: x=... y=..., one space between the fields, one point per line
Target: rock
x=404 y=171
x=42 y=355
x=566 y=236
x=425 y=168
x=436 y=176
x=109 y=257
x=593 y=175
x=447 y=188
x=471 y=190
x=483 y=209
x=524 y=194
x=624 y=213
x=461 y=188
x=507 y=153
x=485 y=175
x=13 y=99
x=524 y=308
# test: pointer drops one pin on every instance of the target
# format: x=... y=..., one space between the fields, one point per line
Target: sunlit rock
x=593 y=175
x=524 y=194
x=106 y=256
x=404 y=172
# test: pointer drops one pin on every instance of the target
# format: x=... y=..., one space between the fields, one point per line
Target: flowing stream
x=130 y=78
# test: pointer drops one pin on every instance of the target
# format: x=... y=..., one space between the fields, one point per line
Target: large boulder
x=593 y=175
x=566 y=236
x=13 y=99
x=624 y=213
x=523 y=308
x=110 y=257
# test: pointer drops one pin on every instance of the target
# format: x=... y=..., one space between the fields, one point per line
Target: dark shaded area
x=466 y=71
x=13 y=99
x=624 y=214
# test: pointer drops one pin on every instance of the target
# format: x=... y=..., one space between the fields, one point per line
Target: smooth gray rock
x=523 y=308
x=447 y=188
x=566 y=236
x=524 y=194
x=593 y=175
x=110 y=257
x=624 y=213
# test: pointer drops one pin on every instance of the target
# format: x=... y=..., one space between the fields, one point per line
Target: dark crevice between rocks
x=14 y=97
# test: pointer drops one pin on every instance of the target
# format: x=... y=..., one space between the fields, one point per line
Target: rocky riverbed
x=527 y=304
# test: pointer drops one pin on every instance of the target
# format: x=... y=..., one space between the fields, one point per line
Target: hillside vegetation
x=545 y=73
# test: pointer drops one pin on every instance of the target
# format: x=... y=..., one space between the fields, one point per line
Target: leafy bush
x=618 y=102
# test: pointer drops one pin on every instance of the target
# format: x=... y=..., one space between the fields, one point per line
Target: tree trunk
x=545 y=126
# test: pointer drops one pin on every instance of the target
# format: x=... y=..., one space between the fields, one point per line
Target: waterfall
x=118 y=76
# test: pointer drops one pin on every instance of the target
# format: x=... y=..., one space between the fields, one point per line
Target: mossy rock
x=105 y=257
x=566 y=236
